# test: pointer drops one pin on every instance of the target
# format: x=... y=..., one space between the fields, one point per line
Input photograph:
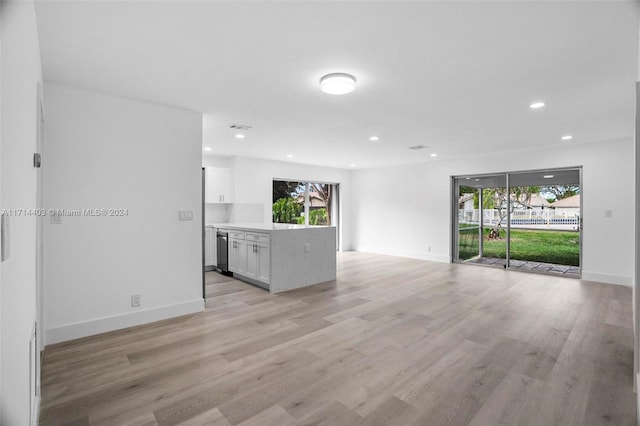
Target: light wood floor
x=393 y=341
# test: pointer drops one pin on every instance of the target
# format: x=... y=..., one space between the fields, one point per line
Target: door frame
x=204 y=288
x=38 y=326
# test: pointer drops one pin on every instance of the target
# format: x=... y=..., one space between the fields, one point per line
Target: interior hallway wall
x=106 y=152
x=21 y=74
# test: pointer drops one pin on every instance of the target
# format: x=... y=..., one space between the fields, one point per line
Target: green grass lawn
x=559 y=247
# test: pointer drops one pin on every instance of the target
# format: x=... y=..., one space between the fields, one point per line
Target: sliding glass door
x=481 y=219
x=520 y=220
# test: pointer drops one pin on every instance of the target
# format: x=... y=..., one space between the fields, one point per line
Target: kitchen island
x=281 y=257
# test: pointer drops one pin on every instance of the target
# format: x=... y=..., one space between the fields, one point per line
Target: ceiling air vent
x=239 y=127
x=418 y=147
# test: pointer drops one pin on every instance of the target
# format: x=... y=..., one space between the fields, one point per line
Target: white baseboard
x=433 y=257
x=607 y=278
x=35 y=414
x=637 y=398
x=117 y=322
x=588 y=276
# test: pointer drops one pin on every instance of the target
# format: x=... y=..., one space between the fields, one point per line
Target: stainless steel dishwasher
x=222 y=241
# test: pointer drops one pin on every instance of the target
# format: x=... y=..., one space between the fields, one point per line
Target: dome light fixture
x=338 y=83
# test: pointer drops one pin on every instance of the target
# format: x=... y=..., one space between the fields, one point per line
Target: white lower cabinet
x=258 y=261
x=264 y=264
x=237 y=256
x=250 y=256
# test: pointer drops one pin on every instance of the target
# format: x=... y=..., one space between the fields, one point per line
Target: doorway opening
x=529 y=221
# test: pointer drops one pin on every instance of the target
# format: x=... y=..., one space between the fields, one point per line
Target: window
x=306 y=203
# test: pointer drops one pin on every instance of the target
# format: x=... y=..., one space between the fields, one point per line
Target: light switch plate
x=184 y=215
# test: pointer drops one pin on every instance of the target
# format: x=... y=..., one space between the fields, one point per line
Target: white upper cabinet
x=217 y=185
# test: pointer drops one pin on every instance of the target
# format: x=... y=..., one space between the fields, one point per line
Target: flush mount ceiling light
x=433 y=155
x=289 y=155
x=207 y=148
x=239 y=136
x=547 y=176
x=338 y=83
x=536 y=105
x=374 y=138
x=566 y=137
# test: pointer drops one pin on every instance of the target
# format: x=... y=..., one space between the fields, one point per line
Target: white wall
x=253 y=184
x=21 y=73
x=216 y=161
x=404 y=210
x=105 y=152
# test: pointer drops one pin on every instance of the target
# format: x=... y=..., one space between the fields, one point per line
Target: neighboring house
x=537 y=201
x=466 y=202
x=315 y=200
x=569 y=206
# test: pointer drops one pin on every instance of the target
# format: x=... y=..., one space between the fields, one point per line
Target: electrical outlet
x=135 y=300
x=307 y=247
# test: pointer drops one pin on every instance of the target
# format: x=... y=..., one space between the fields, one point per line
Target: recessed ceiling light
x=338 y=83
x=468 y=178
x=477 y=180
x=536 y=105
x=239 y=136
x=433 y=155
x=289 y=155
x=547 y=176
x=567 y=137
x=352 y=165
x=206 y=148
x=374 y=138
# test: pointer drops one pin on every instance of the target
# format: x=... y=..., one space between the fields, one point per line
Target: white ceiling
x=455 y=76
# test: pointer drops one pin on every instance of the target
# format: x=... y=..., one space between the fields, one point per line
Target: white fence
x=491 y=217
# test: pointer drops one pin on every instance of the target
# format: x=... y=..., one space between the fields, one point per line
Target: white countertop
x=262 y=226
